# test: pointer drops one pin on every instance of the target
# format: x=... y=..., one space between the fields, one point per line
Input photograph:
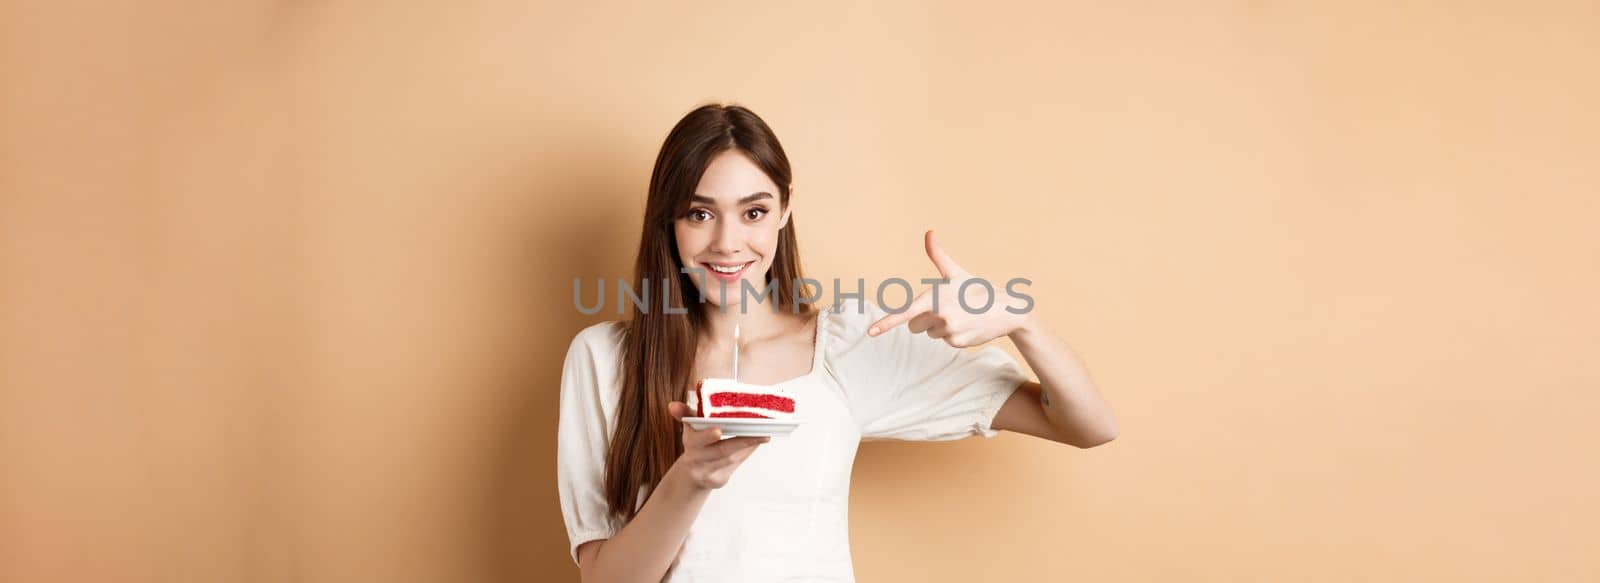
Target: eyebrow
x=712 y=201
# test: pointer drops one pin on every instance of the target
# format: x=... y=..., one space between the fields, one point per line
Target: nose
x=727 y=240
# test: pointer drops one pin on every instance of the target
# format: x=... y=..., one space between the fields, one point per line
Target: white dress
x=783 y=514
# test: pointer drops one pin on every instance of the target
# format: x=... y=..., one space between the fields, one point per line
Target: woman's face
x=732 y=225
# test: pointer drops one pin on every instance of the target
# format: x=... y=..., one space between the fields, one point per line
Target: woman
x=646 y=497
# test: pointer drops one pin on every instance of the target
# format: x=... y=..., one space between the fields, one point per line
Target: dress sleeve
x=588 y=403
x=910 y=387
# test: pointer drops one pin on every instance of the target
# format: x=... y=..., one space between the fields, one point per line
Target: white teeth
x=721 y=269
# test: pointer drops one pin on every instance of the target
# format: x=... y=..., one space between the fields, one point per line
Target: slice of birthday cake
x=730 y=398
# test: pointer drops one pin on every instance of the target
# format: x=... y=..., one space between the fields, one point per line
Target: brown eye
x=697 y=215
x=759 y=212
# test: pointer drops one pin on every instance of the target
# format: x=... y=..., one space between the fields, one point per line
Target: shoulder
x=849 y=315
x=845 y=323
x=590 y=372
x=599 y=340
x=849 y=346
x=594 y=353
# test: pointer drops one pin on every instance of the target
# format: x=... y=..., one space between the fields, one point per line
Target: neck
x=755 y=323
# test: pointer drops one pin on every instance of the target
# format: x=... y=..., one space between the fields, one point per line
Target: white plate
x=743 y=426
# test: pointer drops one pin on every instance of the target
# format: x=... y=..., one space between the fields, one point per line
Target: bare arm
x=1065 y=406
x=647 y=546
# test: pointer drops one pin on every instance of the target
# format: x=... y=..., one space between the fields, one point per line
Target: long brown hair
x=659 y=347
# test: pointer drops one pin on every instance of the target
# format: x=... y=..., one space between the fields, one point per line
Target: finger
x=938 y=331
x=693 y=437
x=702 y=437
x=733 y=445
x=738 y=457
x=941 y=260
x=922 y=303
x=922 y=322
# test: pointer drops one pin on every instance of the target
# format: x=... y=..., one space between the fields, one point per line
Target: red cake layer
x=747 y=414
x=773 y=402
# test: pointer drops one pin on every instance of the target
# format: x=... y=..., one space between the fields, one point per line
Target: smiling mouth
x=727 y=268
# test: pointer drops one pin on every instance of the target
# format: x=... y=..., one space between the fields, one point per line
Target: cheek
x=766 y=241
x=687 y=245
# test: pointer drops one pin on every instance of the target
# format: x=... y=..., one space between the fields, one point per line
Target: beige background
x=285 y=286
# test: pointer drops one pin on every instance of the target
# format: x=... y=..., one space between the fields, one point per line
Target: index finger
x=923 y=303
x=732 y=445
x=700 y=437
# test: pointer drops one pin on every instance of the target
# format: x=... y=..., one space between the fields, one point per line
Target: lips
x=720 y=270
